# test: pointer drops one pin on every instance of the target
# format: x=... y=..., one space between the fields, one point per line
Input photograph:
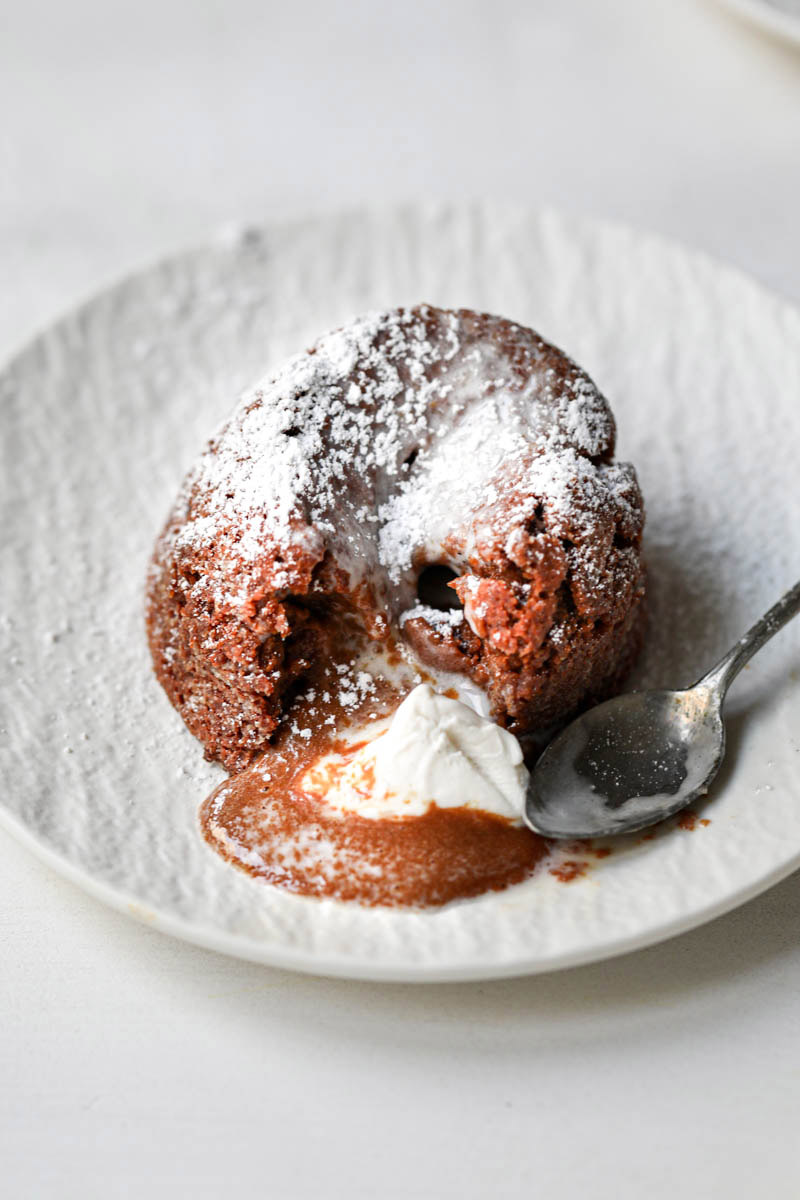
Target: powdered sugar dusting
x=441 y=620
x=388 y=437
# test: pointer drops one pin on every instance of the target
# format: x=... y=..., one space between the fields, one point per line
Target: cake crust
x=414 y=438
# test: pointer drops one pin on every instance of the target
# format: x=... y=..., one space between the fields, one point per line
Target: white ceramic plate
x=781 y=18
x=103 y=413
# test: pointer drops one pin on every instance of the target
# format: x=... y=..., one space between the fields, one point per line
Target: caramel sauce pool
x=261 y=821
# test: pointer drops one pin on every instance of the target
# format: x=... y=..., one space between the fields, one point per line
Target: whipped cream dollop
x=435 y=750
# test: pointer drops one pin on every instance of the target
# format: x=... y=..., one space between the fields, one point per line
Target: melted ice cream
x=434 y=750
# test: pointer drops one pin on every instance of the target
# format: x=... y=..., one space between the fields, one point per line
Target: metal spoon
x=641 y=757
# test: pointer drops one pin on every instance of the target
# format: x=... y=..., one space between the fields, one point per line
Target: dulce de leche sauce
x=264 y=822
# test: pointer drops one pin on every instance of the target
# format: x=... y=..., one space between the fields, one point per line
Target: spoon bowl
x=627 y=763
x=642 y=757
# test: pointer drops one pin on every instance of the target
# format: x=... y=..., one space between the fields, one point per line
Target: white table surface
x=132 y=1065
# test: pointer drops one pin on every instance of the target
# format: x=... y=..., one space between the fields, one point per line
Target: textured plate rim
x=360 y=969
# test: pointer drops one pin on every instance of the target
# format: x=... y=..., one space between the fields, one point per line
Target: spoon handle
x=723 y=674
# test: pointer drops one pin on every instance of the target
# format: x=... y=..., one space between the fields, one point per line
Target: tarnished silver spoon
x=641 y=757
